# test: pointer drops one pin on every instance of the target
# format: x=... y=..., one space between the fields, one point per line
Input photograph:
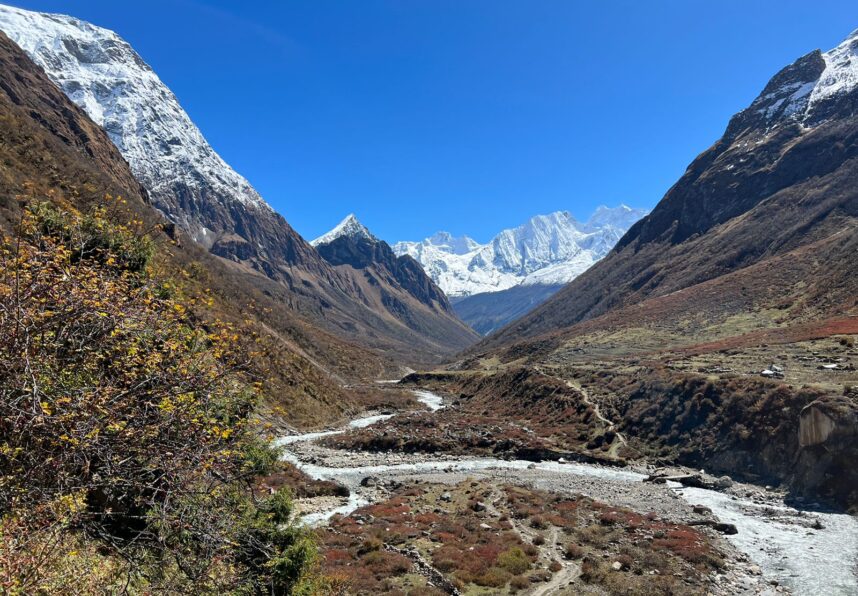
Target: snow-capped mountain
x=549 y=249
x=101 y=73
x=349 y=227
x=393 y=283
x=807 y=92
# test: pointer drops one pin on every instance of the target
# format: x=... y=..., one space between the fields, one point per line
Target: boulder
x=815 y=425
x=828 y=437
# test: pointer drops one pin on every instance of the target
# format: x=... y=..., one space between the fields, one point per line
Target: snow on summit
x=349 y=227
x=808 y=90
x=101 y=73
x=841 y=70
x=548 y=249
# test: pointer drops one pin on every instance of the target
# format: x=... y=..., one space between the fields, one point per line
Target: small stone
x=755 y=570
x=446 y=497
x=617 y=566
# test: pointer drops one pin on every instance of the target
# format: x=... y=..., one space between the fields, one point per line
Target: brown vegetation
x=492 y=546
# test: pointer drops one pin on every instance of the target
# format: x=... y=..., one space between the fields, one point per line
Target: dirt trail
x=615 y=446
x=565 y=576
x=551 y=550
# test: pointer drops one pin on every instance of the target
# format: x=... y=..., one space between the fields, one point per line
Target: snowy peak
x=841 y=71
x=542 y=240
x=548 y=249
x=811 y=90
x=622 y=217
x=447 y=242
x=350 y=227
x=168 y=154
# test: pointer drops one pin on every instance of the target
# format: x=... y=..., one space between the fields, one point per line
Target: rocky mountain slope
x=396 y=284
x=50 y=150
x=495 y=283
x=194 y=188
x=767 y=215
x=168 y=154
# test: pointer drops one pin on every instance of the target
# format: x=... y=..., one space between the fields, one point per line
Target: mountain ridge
x=770 y=185
x=349 y=226
x=393 y=283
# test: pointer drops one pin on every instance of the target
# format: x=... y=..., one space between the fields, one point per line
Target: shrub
x=124 y=423
x=514 y=560
x=573 y=551
x=519 y=582
x=370 y=545
x=493 y=578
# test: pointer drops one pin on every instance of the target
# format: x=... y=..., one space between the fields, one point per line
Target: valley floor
x=629 y=538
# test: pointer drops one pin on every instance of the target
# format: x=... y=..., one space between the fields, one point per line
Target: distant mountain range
x=544 y=253
x=546 y=250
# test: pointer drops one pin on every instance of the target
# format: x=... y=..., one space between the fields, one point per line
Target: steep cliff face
x=828 y=461
x=185 y=178
x=100 y=72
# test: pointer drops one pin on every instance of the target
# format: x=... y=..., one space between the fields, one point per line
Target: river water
x=781 y=540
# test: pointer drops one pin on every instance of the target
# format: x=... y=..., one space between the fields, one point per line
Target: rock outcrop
x=828 y=461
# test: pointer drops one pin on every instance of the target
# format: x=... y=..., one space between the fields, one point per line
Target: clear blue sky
x=463 y=115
